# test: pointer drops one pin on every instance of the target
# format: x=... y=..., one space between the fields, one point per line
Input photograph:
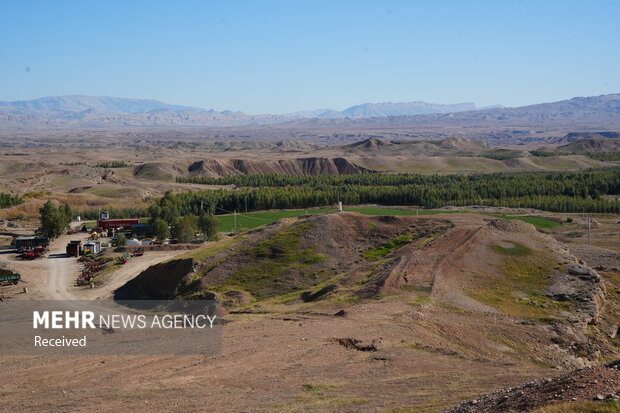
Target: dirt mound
x=300 y=166
x=301 y=255
x=593 y=383
x=158 y=282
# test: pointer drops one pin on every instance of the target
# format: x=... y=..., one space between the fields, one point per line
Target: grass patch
x=211 y=248
x=317 y=397
x=266 y=276
x=426 y=241
x=419 y=300
x=517 y=250
x=519 y=289
x=388 y=247
x=257 y=219
x=417 y=288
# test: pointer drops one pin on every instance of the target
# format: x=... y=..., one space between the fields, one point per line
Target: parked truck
x=8 y=278
x=30 y=242
x=74 y=248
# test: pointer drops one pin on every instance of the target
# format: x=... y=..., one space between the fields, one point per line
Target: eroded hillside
x=472 y=286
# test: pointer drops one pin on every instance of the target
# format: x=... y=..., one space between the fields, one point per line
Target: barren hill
x=463 y=267
x=296 y=166
x=448 y=146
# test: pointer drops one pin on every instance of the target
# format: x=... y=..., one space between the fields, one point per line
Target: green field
x=257 y=219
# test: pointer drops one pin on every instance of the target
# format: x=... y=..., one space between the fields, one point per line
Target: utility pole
x=589 y=230
x=246 y=204
x=235 y=221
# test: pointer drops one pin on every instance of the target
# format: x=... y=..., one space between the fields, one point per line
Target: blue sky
x=284 y=56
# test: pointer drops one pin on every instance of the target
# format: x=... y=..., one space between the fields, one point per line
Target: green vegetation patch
x=501 y=154
x=268 y=274
x=388 y=247
x=211 y=248
x=519 y=289
x=548 y=154
x=114 y=164
x=9 y=200
x=257 y=219
x=603 y=156
x=515 y=250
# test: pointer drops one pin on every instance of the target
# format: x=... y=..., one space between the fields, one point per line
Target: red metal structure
x=106 y=224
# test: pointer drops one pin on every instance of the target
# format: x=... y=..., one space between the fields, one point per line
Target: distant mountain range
x=81 y=103
x=375 y=110
x=73 y=104
x=76 y=111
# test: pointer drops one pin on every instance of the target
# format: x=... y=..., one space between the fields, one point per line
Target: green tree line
x=560 y=192
x=9 y=200
x=54 y=220
x=599 y=156
x=114 y=164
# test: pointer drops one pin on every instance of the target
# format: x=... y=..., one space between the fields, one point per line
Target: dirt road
x=53 y=277
x=61 y=271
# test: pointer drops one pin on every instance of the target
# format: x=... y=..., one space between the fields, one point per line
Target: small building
x=30 y=242
x=91 y=247
x=74 y=248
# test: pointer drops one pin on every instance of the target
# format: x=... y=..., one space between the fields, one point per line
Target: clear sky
x=282 y=56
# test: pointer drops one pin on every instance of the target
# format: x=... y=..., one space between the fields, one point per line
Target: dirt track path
x=53 y=277
x=61 y=271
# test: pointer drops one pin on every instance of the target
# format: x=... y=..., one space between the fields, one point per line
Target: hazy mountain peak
x=103 y=104
x=383 y=109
